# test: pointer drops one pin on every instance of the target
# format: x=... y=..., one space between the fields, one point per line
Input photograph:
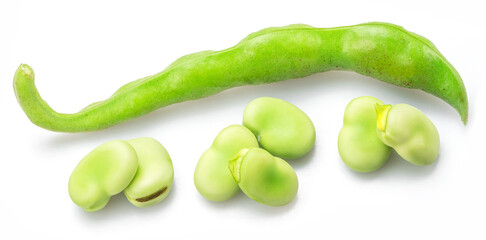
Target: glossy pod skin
x=281 y=128
x=407 y=130
x=104 y=172
x=264 y=178
x=380 y=50
x=212 y=177
x=358 y=143
x=155 y=174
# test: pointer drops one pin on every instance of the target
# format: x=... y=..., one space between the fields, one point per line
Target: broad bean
x=264 y=178
x=384 y=51
x=407 y=130
x=212 y=177
x=281 y=128
x=358 y=143
x=155 y=174
x=104 y=172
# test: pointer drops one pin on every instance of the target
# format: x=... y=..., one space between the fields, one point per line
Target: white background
x=84 y=51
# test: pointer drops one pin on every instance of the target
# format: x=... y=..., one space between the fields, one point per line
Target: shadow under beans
x=303 y=161
x=241 y=201
x=397 y=168
x=119 y=206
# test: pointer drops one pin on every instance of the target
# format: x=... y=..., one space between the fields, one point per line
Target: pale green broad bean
x=358 y=143
x=153 y=180
x=104 y=172
x=264 y=178
x=281 y=128
x=409 y=131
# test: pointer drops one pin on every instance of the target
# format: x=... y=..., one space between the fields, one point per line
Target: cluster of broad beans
x=252 y=157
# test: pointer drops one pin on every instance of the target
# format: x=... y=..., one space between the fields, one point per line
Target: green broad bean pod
x=383 y=51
